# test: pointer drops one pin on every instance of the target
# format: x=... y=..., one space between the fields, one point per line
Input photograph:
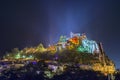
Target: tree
x=40 y=48
x=15 y=50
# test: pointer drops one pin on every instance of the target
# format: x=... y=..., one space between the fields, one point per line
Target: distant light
x=17 y=56
x=23 y=56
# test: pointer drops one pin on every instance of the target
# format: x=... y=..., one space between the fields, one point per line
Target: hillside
x=76 y=49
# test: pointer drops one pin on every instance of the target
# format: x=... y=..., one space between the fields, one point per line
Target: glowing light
x=88 y=46
x=23 y=56
x=31 y=56
x=17 y=56
x=62 y=39
x=74 y=40
x=82 y=49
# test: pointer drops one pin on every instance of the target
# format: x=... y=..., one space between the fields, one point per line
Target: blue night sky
x=26 y=23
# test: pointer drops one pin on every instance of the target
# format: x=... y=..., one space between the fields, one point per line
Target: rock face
x=106 y=65
x=99 y=61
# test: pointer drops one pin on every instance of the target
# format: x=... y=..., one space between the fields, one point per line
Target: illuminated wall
x=80 y=40
x=89 y=46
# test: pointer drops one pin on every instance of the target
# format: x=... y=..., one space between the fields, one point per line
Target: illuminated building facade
x=80 y=41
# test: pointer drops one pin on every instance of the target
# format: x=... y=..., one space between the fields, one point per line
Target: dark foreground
x=40 y=71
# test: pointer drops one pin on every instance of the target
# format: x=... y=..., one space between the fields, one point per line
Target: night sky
x=25 y=23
